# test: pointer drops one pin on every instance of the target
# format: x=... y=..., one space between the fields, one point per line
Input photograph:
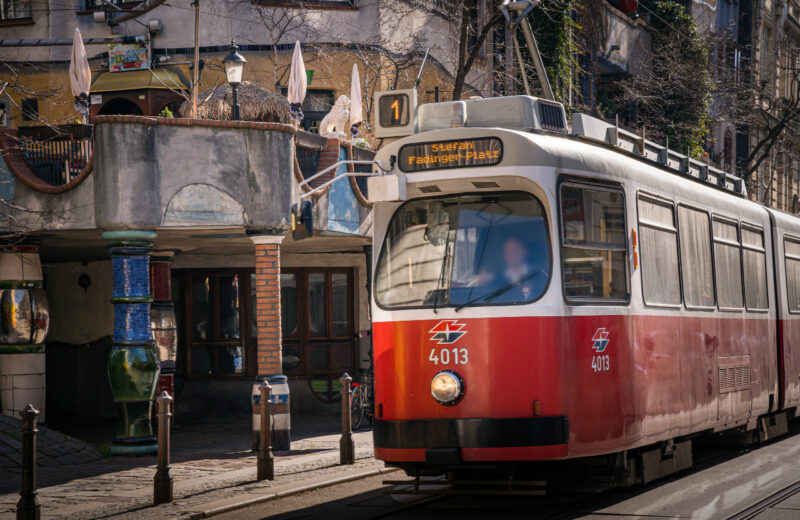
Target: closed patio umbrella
x=356 y=117
x=80 y=76
x=297 y=84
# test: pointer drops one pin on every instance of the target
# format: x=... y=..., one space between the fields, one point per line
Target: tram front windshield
x=464 y=250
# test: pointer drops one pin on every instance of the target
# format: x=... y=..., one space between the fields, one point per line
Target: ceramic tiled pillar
x=162 y=317
x=26 y=317
x=133 y=366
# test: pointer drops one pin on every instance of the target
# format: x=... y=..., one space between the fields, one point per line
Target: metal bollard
x=162 y=482
x=266 y=462
x=347 y=449
x=28 y=507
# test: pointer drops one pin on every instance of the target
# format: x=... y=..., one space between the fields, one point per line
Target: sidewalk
x=212 y=468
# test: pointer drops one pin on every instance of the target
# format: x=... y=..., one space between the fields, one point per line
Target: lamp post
x=234 y=67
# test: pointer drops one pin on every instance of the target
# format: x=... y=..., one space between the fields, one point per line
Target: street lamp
x=234 y=67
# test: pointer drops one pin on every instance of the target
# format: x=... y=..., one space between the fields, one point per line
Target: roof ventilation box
x=512 y=112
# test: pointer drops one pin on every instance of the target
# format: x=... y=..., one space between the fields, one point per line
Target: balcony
x=341 y=208
x=133 y=172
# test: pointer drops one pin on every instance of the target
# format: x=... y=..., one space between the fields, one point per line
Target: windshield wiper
x=494 y=294
x=445 y=257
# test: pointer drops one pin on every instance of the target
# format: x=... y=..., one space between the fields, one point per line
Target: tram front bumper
x=423 y=434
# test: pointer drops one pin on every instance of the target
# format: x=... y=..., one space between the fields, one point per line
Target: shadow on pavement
x=221 y=442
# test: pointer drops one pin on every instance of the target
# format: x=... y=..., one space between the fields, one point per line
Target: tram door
x=317 y=310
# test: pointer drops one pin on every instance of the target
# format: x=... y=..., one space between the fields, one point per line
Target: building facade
x=386 y=39
x=207 y=203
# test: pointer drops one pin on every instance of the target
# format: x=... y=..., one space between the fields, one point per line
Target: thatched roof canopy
x=255 y=104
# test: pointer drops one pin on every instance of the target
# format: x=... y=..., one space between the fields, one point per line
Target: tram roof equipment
x=596 y=130
x=531 y=114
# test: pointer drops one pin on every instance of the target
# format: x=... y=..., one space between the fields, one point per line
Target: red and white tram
x=544 y=294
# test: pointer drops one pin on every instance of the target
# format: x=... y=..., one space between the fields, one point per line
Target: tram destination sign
x=460 y=153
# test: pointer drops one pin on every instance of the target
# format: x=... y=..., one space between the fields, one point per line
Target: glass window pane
x=202 y=360
x=229 y=306
x=659 y=255
x=656 y=212
x=340 y=307
x=792 y=248
x=321 y=385
x=592 y=216
x=318 y=358
x=201 y=307
x=752 y=238
x=341 y=358
x=728 y=272
x=698 y=284
x=793 y=284
x=230 y=360
x=291 y=357
x=726 y=231
x=289 y=320
x=595 y=273
x=176 y=289
x=755 y=279
x=472 y=249
x=317 y=324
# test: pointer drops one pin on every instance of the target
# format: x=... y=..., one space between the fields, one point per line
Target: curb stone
x=289 y=492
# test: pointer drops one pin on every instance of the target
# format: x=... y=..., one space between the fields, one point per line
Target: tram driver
x=516 y=275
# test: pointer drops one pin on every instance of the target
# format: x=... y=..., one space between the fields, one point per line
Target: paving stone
x=12 y=442
x=209 y=463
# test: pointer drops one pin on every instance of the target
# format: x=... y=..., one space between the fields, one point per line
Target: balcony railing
x=309 y=3
x=308 y=149
x=56 y=154
x=98 y=4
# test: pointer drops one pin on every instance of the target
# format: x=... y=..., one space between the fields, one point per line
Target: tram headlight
x=447 y=387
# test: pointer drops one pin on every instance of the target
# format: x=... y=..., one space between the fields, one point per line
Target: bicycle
x=361 y=406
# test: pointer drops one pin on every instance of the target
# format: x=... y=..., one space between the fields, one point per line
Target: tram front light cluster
x=447 y=387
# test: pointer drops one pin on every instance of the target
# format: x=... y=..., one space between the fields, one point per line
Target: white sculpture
x=334 y=124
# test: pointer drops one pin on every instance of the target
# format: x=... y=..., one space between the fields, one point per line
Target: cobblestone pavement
x=211 y=466
x=54 y=448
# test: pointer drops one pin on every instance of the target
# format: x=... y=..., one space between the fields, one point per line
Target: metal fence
x=308 y=159
x=96 y=4
x=309 y=3
x=361 y=154
x=308 y=149
x=56 y=154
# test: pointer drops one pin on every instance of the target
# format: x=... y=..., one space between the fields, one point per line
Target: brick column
x=268 y=303
x=268 y=323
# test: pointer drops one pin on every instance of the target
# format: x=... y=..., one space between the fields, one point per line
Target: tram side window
x=728 y=264
x=754 y=266
x=792 y=249
x=695 y=240
x=658 y=241
x=594 y=247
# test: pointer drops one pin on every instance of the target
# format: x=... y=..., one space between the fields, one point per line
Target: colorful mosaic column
x=25 y=321
x=133 y=366
x=162 y=318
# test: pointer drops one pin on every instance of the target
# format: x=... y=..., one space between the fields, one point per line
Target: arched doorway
x=120 y=106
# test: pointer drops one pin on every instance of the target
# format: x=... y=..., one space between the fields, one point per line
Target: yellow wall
x=50 y=85
x=332 y=70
